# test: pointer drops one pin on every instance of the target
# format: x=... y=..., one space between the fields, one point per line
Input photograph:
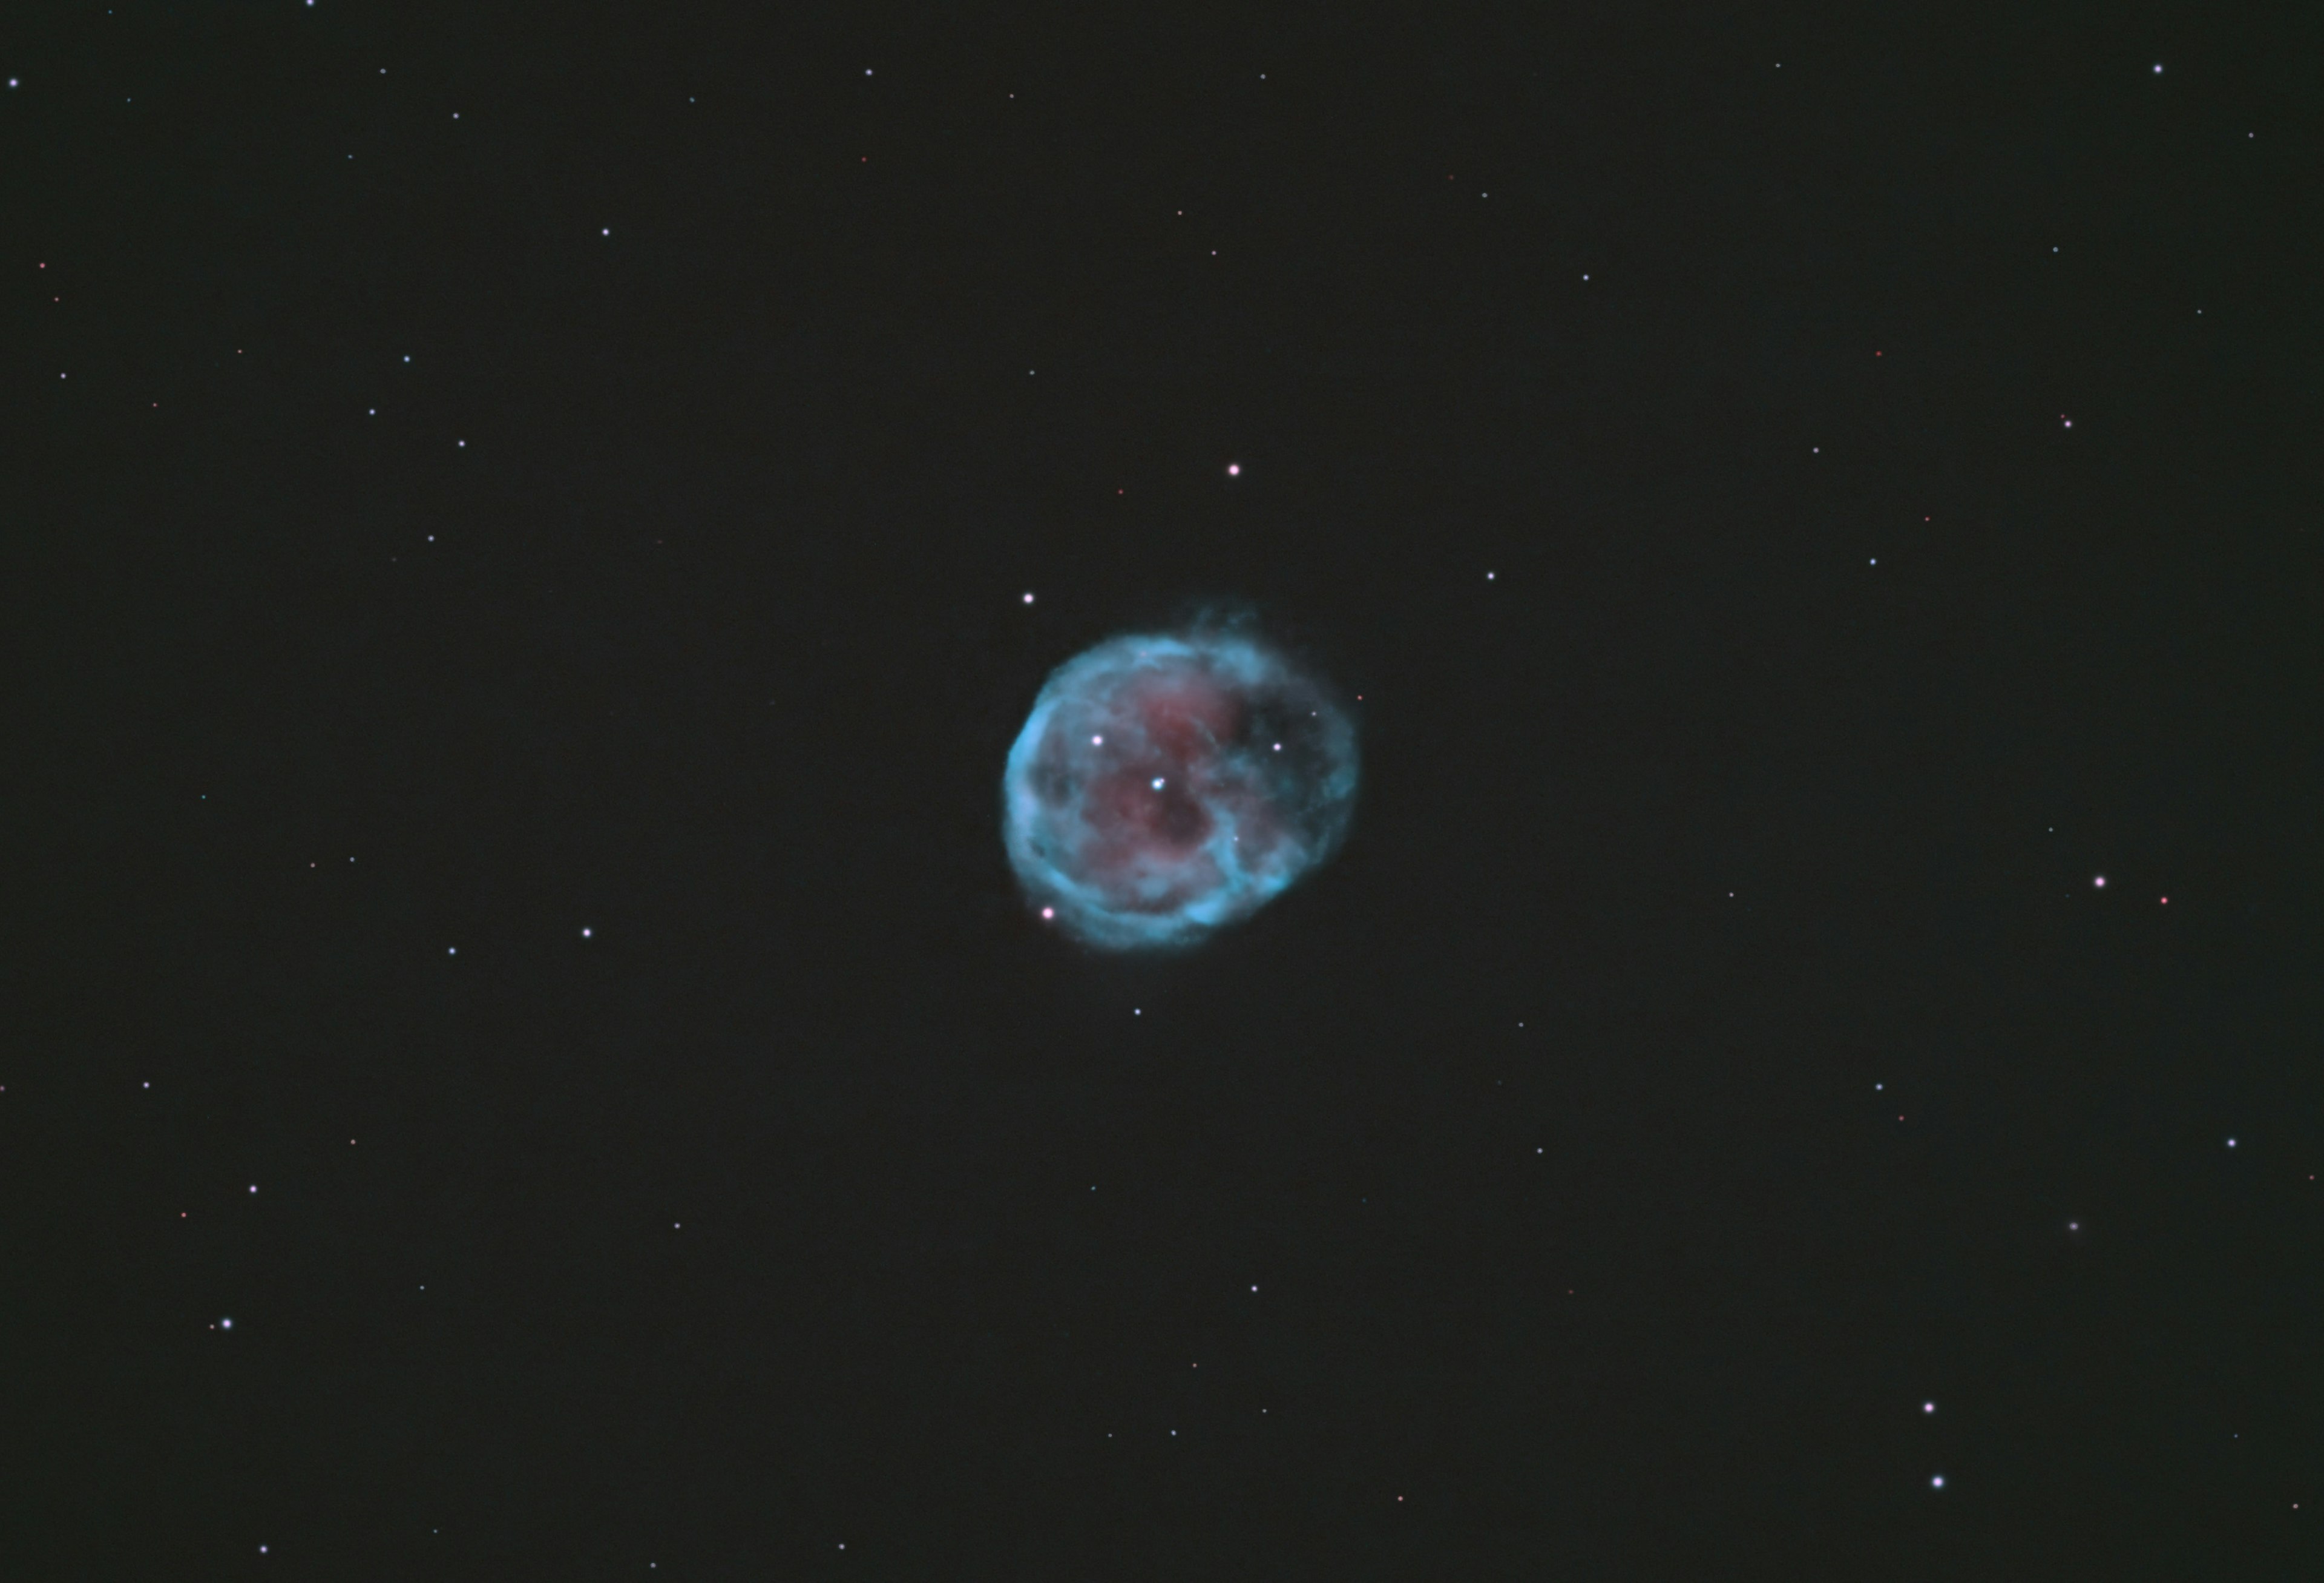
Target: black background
x=1713 y=1045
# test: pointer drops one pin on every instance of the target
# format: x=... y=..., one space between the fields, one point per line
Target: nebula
x=1164 y=786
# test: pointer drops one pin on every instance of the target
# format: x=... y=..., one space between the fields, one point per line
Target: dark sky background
x=517 y=535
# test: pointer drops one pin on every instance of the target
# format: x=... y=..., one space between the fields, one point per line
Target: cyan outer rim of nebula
x=1168 y=784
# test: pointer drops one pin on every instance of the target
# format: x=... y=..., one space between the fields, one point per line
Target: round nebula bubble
x=1166 y=785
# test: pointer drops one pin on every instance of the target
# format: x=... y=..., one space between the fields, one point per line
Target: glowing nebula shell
x=1167 y=785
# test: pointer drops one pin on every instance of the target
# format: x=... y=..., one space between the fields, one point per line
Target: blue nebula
x=1164 y=786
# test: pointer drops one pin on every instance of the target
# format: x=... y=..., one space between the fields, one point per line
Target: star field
x=533 y=537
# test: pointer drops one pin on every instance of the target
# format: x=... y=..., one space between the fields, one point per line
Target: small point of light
x=584 y=934
x=451 y=951
x=2231 y=1144
x=1937 y=1482
x=1489 y=576
x=1097 y=742
x=1927 y=1407
x=2166 y=901
x=226 y=1324
x=1029 y=598
x=2099 y=882
x=605 y=231
x=1234 y=469
x=1157 y=782
x=2158 y=65
x=2073 y=1226
x=1052 y=912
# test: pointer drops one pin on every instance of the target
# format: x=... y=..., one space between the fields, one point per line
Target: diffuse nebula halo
x=1166 y=785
